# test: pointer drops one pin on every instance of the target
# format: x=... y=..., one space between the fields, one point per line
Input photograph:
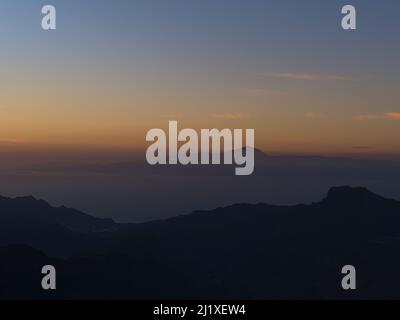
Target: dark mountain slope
x=29 y=208
x=57 y=231
x=242 y=251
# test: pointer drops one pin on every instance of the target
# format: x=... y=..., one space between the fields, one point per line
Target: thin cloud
x=361 y=147
x=265 y=92
x=369 y=117
x=384 y=116
x=12 y=141
x=308 y=76
x=228 y=116
x=392 y=115
x=309 y=115
x=313 y=115
x=172 y=116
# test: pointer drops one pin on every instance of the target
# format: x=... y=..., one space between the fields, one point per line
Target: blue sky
x=256 y=34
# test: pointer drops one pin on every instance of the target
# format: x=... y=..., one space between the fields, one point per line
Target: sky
x=115 y=69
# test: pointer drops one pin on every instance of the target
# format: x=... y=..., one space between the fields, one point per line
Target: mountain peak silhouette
x=340 y=191
x=258 y=153
x=346 y=195
x=256 y=150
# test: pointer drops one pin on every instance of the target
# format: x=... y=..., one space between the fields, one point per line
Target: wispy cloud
x=265 y=92
x=314 y=115
x=369 y=117
x=361 y=147
x=308 y=76
x=384 y=116
x=228 y=116
x=172 y=116
x=12 y=141
x=393 y=115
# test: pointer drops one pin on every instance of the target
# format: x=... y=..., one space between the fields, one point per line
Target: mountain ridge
x=337 y=194
x=243 y=251
x=75 y=220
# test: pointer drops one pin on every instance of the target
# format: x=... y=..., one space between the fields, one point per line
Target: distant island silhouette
x=131 y=190
x=243 y=251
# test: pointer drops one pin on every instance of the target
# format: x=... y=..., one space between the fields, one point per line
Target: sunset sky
x=115 y=69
